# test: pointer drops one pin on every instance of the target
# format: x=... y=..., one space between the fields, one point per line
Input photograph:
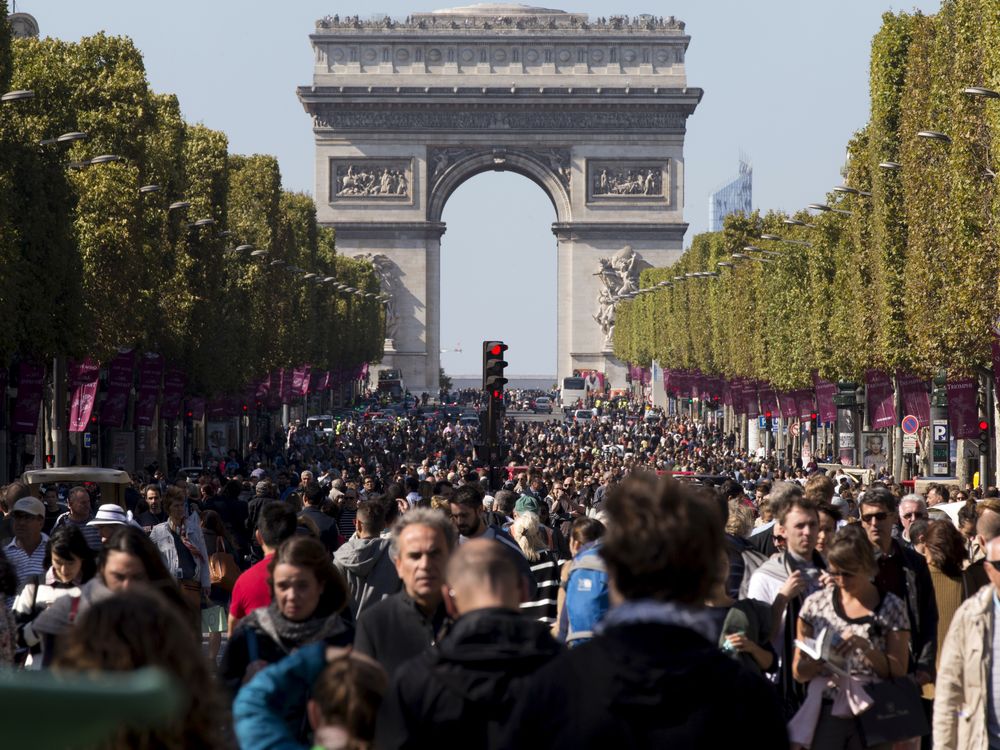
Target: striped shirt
x=91 y=533
x=26 y=565
x=546 y=572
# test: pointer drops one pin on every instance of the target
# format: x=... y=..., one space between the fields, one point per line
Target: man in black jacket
x=653 y=676
x=458 y=693
x=313 y=497
x=402 y=625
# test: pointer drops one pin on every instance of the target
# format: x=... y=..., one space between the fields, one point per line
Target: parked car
x=543 y=404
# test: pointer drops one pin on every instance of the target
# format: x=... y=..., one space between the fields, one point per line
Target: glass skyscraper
x=736 y=195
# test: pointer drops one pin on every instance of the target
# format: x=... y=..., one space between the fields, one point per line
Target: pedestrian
x=184 y=557
x=26 y=552
x=584 y=534
x=526 y=531
x=654 y=677
x=869 y=633
x=79 y=514
x=277 y=522
x=786 y=579
x=459 y=692
x=341 y=689
x=965 y=699
x=136 y=629
x=364 y=560
x=402 y=625
x=313 y=497
x=911 y=508
x=308 y=596
x=69 y=563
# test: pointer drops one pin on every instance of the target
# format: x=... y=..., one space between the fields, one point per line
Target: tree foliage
x=901 y=275
x=91 y=263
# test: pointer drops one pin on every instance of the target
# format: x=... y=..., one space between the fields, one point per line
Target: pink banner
x=300 y=381
x=804 y=403
x=915 y=398
x=825 y=407
x=119 y=384
x=963 y=408
x=768 y=401
x=881 y=410
x=750 y=399
x=173 y=391
x=150 y=376
x=82 y=378
x=737 y=396
x=30 y=381
x=285 y=385
x=789 y=409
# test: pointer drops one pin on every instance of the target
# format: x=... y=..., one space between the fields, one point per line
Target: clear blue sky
x=785 y=81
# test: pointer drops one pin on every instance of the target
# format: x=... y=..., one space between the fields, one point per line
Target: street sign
x=940 y=431
x=793 y=429
x=909 y=444
x=910 y=425
x=86 y=440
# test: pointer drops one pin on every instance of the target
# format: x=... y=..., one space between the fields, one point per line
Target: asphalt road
x=527 y=416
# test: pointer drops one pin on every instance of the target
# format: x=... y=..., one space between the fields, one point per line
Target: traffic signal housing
x=984 y=436
x=813 y=422
x=768 y=421
x=493 y=369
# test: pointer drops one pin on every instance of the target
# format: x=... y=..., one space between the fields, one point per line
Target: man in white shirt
x=787 y=578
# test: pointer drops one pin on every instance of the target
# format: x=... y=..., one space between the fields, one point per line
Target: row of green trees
x=906 y=281
x=90 y=263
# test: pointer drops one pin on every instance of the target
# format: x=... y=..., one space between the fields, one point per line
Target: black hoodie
x=458 y=693
x=645 y=685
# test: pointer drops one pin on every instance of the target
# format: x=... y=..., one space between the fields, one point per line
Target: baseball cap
x=527 y=504
x=30 y=505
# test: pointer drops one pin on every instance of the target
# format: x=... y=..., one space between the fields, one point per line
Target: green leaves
x=91 y=264
x=907 y=280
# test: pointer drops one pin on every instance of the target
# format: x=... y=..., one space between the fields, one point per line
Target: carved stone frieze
x=439 y=160
x=627 y=180
x=362 y=178
x=452 y=120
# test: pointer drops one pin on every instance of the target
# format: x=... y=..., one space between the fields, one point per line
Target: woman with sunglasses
x=870 y=638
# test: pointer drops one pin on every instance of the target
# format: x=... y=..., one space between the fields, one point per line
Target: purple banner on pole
x=150 y=376
x=119 y=384
x=82 y=378
x=300 y=381
x=789 y=408
x=914 y=396
x=804 y=403
x=881 y=409
x=750 y=399
x=173 y=389
x=30 y=381
x=963 y=408
x=825 y=407
x=768 y=401
x=738 y=397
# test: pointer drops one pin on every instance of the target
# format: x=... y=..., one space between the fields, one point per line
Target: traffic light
x=813 y=422
x=493 y=368
x=768 y=421
x=245 y=408
x=984 y=436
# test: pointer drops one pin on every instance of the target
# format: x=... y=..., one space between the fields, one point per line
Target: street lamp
x=17 y=96
x=724 y=264
x=276 y=263
x=979 y=91
x=179 y=205
x=105 y=159
x=259 y=253
x=797 y=223
x=934 y=135
x=825 y=207
x=64 y=138
x=203 y=223
x=851 y=191
x=149 y=189
x=890 y=165
x=242 y=248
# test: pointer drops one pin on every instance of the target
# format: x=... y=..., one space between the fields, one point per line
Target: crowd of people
x=640 y=582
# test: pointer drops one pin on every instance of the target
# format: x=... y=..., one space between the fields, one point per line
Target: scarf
x=183 y=534
x=291 y=635
x=663 y=613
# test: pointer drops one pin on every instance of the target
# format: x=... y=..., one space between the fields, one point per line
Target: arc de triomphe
x=592 y=110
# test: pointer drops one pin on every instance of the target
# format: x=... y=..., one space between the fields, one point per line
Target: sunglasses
x=909 y=516
x=869 y=517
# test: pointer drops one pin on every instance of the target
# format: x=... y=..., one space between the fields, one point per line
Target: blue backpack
x=586 y=596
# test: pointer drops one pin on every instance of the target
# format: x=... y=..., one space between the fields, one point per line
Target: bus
x=390 y=381
x=574 y=390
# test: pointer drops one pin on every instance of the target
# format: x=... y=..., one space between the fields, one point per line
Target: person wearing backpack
x=583 y=595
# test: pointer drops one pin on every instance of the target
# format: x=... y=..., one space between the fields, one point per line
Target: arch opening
x=498 y=276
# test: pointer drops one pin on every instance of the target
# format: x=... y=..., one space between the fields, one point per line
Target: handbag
x=896 y=713
x=222 y=567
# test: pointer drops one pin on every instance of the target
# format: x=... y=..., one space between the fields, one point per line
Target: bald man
x=456 y=693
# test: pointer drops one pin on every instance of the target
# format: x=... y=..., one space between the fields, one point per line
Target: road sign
x=940 y=431
x=909 y=444
x=910 y=425
x=793 y=429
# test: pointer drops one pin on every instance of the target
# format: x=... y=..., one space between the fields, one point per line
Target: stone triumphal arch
x=592 y=110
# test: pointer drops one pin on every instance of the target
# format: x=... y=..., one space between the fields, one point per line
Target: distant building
x=736 y=195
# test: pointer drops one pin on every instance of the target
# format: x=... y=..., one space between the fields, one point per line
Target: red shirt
x=251 y=590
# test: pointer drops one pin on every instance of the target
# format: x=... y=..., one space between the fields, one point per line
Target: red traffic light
x=813 y=416
x=497 y=394
x=984 y=425
x=496 y=350
x=767 y=414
